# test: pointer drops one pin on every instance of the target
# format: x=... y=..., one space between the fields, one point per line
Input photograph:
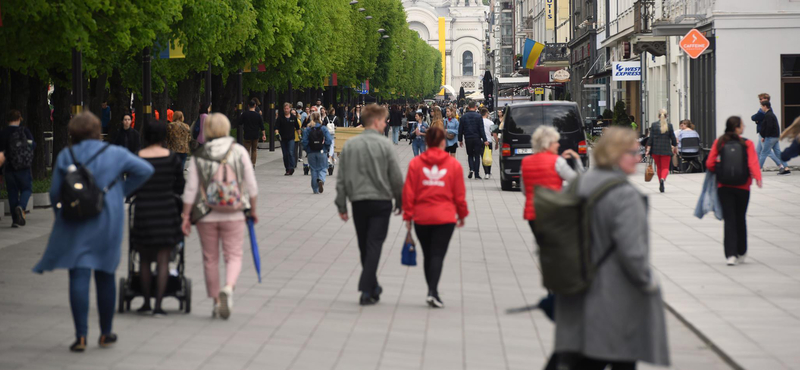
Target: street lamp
x=381 y=30
x=354 y=2
x=368 y=17
x=362 y=10
x=385 y=36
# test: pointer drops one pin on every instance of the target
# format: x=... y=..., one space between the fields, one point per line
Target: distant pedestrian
x=418 y=131
x=17 y=143
x=734 y=197
x=471 y=129
x=253 y=125
x=105 y=115
x=331 y=118
x=619 y=319
x=433 y=200
x=758 y=118
x=662 y=144
x=300 y=112
x=791 y=133
x=317 y=141
x=491 y=137
x=198 y=128
x=179 y=137
x=770 y=138
x=436 y=120
x=332 y=122
x=396 y=122
x=451 y=127
x=128 y=137
x=220 y=215
x=157 y=217
x=370 y=177
x=92 y=244
x=287 y=127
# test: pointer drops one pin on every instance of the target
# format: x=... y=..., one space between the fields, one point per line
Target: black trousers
x=574 y=361
x=734 y=211
x=371 y=218
x=474 y=153
x=532 y=223
x=434 y=240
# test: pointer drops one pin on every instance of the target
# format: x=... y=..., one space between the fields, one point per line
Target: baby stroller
x=178 y=285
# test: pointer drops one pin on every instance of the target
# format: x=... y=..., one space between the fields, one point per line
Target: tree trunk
x=189 y=97
x=138 y=107
x=97 y=94
x=120 y=101
x=61 y=115
x=5 y=95
x=20 y=90
x=161 y=101
x=38 y=113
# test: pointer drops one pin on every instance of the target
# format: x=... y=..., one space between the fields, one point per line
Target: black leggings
x=434 y=240
x=574 y=361
x=734 y=212
x=161 y=257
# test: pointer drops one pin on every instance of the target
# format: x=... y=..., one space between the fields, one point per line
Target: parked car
x=522 y=119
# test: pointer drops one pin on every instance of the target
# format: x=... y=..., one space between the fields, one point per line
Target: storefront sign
x=538 y=91
x=550 y=19
x=694 y=43
x=627 y=71
x=560 y=75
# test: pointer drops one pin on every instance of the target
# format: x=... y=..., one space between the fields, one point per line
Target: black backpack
x=732 y=167
x=20 y=153
x=316 y=138
x=81 y=198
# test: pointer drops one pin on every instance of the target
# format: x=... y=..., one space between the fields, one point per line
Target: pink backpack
x=223 y=194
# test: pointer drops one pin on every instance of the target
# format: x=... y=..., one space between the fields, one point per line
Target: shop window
x=790 y=88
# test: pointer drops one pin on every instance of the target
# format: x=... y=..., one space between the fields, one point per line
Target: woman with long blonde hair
x=791 y=133
x=436 y=118
x=662 y=145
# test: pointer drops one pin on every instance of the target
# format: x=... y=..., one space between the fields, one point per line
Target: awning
x=478 y=95
x=449 y=89
x=524 y=80
x=613 y=39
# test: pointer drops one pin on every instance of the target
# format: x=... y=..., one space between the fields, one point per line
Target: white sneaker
x=742 y=258
x=225 y=302
x=215 y=311
x=731 y=261
x=487 y=177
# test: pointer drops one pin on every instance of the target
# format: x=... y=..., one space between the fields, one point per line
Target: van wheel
x=506 y=185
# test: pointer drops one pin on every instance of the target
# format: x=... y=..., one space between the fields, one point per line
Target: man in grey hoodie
x=369 y=175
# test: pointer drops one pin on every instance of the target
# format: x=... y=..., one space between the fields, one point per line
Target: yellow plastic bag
x=487 y=156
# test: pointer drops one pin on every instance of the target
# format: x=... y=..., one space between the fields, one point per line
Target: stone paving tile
x=305 y=314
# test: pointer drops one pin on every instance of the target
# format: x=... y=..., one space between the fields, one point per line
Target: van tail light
x=506 y=150
x=582 y=147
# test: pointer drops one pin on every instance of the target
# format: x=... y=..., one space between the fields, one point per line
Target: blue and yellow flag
x=172 y=51
x=531 y=55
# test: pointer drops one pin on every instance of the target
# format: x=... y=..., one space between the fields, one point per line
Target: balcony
x=555 y=52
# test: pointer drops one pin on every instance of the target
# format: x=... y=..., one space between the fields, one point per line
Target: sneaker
x=107 y=340
x=742 y=258
x=287 y=173
x=20 y=216
x=470 y=174
x=14 y=224
x=487 y=176
x=321 y=186
x=215 y=310
x=79 y=345
x=435 y=302
x=784 y=171
x=661 y=186
x=225 y=302
x=159 y=313
x=376 y=294
x=367 y=300
x=732 y=261
x=144 y=309
x=478 y=177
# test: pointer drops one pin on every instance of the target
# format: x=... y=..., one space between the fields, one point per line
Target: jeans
x=758 y=145
x=395 y=134
x=182 y=157
x=231 y=234
x=79 y=279
x=418 y=146
x=319 y=167
x=20 y=186
x=734 y=211
x=252 y=149
x=474 y=151
x=287 y=148
x=770 y=148
x=371 y=218
x=299 y=157
x=434 y=240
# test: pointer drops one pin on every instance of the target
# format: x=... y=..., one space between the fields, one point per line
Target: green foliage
x=621 y=117
x=608 y=114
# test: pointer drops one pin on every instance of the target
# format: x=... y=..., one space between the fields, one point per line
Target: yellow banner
x=549 y=14
x=442 y=50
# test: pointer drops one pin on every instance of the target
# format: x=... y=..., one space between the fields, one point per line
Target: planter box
x=40 y=200
x=8 y=208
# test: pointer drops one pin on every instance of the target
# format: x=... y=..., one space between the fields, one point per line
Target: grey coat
x=621 y=316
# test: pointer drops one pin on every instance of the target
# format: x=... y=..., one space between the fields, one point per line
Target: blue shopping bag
x=409 y=254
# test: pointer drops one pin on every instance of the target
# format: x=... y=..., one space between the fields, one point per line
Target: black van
x=522 y=119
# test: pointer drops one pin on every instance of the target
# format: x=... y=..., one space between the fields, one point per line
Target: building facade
x=460 y=26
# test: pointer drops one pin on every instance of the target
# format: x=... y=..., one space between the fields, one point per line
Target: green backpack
x=564 y=236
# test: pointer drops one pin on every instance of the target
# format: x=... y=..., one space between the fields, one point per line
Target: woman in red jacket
x=433 y=199
x=545 y=167
x=734 y=198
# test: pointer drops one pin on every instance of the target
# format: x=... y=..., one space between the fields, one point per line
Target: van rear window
x=525 y=120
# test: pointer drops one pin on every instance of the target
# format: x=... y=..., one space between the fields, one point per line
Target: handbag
x=487 y=156
x=409 y=254
x=649 y=172
x=449 y=135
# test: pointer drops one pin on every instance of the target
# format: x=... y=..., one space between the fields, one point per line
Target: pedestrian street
x=305 y=313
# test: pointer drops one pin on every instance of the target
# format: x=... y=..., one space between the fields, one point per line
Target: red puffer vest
x=539 y=170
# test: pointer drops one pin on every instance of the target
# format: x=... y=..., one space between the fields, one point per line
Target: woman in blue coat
x=92 y=244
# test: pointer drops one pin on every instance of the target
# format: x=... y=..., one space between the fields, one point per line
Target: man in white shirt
x=491 y=137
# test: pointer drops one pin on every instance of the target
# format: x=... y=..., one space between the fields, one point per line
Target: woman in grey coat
x=619 y=320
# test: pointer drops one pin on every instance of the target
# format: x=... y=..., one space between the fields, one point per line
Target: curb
x=722 y=355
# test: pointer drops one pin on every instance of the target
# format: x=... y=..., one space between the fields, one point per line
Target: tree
x=621 y=117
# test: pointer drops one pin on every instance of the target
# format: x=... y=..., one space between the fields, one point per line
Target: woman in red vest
x=545 y=167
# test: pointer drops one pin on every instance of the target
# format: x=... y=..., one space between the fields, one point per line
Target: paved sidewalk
x=305 y=314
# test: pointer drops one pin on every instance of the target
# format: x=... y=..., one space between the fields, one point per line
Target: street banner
x=174 y=50
x=532 y=52
x=249 y=68
x=627 y=71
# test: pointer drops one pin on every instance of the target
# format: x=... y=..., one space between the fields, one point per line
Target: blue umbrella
x=254 y=247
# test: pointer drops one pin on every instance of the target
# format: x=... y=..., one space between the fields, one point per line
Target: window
x=790 y=88
x=466 y=60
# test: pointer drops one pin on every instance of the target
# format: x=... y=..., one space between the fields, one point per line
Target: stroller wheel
x=187 y=295
x=121 y=293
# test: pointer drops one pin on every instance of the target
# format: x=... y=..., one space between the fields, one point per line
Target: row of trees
x=300 y=42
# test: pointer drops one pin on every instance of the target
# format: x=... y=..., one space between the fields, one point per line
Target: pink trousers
x=231 y=234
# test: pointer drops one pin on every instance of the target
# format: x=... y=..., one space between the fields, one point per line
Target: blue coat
x=709 y=198
x=94 y=243
x=328 y=139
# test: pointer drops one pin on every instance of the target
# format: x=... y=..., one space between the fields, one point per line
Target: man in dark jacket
x=128 y=137
x=770 y=135
x=17 y=145
x=253 y=125
x=758 y=118
x=471 y=128
x=286 y=127
x=395 y=121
